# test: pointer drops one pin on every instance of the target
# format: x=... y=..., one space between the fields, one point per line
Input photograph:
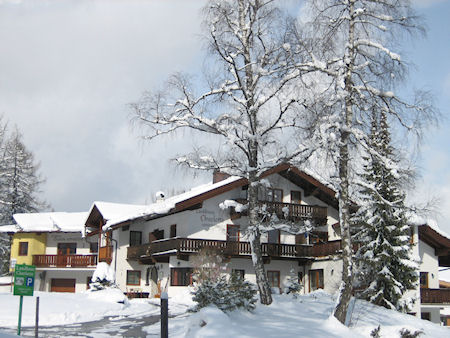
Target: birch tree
x=248 y=99
x=355 y=41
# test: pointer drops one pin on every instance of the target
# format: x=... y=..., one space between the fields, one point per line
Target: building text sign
x=24 y=280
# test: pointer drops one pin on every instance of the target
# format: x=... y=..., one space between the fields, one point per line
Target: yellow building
x=26 y=244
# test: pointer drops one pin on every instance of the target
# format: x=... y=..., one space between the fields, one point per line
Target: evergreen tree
x=21 y=181
x=19 y=185
x=384 y=267
x=294 y=286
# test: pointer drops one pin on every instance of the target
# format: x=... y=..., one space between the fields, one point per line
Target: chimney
x=159 y=196
x=219 y=176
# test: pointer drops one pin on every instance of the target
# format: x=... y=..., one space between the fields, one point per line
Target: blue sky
x=431 y=56
x=69 y=69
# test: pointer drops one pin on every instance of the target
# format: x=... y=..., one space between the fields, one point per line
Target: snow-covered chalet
x=151 y=246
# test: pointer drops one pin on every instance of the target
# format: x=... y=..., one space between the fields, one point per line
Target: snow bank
x=307 y=316
x=104 y=271
x=67 y=308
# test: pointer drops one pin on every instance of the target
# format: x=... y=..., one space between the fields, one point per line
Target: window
x=133 y=277
x=296 y=197
x=270 y=194
x=233 y=232
x=173 y=230
x=273 y=236
x=240 y=273
x=300 y=277
x=23 y=248
x=135 y=238
x=301 y=239
x=180 y=276
x=274 y=278
x=67 y=248
x=155 y=235
x=424 y=280
x=315 y=279
x=93 y=247
x=425 y=315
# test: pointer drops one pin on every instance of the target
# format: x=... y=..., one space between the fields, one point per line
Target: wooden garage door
x=63 y=285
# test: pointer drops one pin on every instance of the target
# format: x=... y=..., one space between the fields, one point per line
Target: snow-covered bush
x=103 y=277
x=293 y=286
x=226 y=295
x=208 y=265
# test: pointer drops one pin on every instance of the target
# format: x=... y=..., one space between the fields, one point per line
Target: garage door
x=63 y=285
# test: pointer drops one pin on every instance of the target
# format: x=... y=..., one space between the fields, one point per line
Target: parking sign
x=24 y=280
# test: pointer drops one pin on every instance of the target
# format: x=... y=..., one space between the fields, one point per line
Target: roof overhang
x=439 y=242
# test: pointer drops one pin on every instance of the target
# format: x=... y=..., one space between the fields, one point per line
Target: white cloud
x=69 y=69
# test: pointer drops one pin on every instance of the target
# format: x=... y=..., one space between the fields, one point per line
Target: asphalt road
x=113 y=326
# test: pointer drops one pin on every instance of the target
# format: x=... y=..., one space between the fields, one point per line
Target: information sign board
x=24 y=280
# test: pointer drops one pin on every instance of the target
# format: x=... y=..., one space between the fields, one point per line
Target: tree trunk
x=345 y=290
x=265 y=293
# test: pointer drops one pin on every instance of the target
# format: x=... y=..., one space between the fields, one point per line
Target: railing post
x=164 y=315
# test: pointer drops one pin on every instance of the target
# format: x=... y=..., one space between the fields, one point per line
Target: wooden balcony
x=326 y=249
x=292 y=211
x=435 y=296
x=65 y=261
x=186 y=246
x=105 y=254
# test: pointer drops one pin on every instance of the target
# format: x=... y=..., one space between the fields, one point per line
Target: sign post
x=23 y=286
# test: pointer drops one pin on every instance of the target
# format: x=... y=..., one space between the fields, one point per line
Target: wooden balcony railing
x=326 y=249
x=105 y=254
x=435 y=296
x=74 y=261
x=293 y=211
x=230 y=248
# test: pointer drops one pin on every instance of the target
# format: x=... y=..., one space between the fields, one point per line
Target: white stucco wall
x=80 y=275
x=54 y=238
x=210 y=222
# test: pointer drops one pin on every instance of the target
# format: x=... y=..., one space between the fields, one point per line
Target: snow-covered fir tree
x=385 y=269
x=293 y=284
x=355 y=46
x=19 y=185
x=21 y=182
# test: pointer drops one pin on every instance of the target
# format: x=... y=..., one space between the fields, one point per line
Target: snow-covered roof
x=9 y=228
x=119 y=213
x=50 y=221
x=116 y=210
x=414 y=219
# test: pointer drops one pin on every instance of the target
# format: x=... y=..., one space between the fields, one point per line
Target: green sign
x=24 y=280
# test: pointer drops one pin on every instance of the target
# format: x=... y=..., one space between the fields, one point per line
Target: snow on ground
x=306 y=316
x=66 y=308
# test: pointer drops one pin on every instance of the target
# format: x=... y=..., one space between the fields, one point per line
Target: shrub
x=226 y=295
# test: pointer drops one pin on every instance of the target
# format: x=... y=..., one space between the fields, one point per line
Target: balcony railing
x=105 y=254
x=293 y=211
x=74 y=261
x=231 y=248
x=435 y=296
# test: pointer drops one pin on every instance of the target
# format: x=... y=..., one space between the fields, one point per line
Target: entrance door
x=62 y=285
x=64 y=250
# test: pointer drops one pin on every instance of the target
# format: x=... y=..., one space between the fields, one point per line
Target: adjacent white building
x=53 y=242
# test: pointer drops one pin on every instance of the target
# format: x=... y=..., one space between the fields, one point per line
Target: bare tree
x=248 y=100
x=355 y=40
